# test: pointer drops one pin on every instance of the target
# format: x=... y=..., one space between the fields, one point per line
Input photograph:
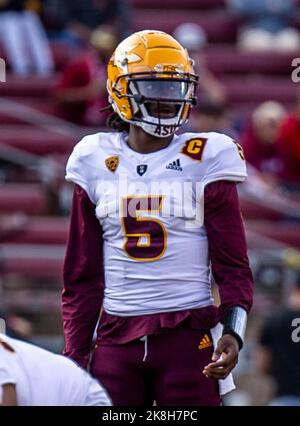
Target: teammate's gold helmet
x=151 y=82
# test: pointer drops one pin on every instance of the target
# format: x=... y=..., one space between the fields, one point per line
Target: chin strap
x=235 y=321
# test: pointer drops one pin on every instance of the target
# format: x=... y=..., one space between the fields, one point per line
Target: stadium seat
x=6 y=119
x=286 y=232
x=254 y=211
x=259 y=89
x=220 y=27
x=30 y=86
x=26 y=198
x=36 y=141
x=178 y=4
x=47 y=265
x=45 y=105
x=40 y=230
x=223 y=59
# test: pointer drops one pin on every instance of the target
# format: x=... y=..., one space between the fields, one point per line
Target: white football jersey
x=150 y=207
x=43 y=378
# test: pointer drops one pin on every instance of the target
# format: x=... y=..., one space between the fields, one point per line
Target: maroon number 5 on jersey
x=146 y=238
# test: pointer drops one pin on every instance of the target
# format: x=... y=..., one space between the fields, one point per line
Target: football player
x=31 y=376
x=154 y=213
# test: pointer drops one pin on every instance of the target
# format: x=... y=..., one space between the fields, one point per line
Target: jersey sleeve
x=5 y=374
x=227 y=246
x=5 y=377
x=83 y=275
x=77 y=168
x=225 y=160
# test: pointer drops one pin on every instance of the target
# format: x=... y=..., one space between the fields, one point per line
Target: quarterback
x=155 y=216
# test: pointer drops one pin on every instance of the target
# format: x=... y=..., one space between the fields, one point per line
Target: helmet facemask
x=160 y=103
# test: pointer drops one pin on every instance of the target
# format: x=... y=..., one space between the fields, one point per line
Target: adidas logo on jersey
x=205 y=342
x=175 y=165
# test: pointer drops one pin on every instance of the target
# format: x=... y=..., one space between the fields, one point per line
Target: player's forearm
x=79 y=321
x=235 y=287
x=9 y=395
x=227 y=247
x=83 y=278
x=234 y=323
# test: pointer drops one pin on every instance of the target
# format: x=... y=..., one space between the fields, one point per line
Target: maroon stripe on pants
x=170 y=375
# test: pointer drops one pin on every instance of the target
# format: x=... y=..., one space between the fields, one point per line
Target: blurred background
x=244 y=50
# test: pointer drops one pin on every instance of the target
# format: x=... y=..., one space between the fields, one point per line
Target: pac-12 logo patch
x=141 y=169
x=112 y=163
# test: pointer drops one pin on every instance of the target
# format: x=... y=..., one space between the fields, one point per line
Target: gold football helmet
x=151 y=82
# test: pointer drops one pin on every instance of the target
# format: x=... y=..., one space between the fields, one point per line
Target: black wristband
x=227 y=330
x=234 y=321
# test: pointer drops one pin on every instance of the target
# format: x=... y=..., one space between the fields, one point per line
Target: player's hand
x=228 y=348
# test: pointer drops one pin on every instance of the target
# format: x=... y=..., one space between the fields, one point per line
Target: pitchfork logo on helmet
x=151 y=82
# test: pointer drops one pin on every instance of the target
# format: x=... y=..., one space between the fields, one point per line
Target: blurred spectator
x=81 y=17
x=278 y=354
x=289 y=148
x=81 y=90
x=194 y=39
x=209 y=116
x=268 y=24
x=55 y=16
x=24 y=38
x=259 y=139
x=17 y=326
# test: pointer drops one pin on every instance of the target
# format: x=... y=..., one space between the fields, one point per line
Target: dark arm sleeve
x=83 y=278
x=227 y=246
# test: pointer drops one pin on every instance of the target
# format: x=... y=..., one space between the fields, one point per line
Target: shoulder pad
x=78 y=170
x=224 y=157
